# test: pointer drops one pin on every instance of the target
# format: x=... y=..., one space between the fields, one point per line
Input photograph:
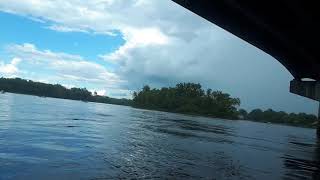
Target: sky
x=115 y=47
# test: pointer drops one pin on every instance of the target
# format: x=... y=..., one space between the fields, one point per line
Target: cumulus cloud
x=65 y=66
x=32 y=54
x=137 y=38
x=164 y=44
x=11 y=68
x=144 y=24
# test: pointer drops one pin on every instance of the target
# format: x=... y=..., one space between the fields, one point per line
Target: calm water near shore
x=46 y=138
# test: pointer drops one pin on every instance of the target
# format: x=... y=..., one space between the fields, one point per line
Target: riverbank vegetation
x=22 y=86
x=186 y=98
x=280 y=117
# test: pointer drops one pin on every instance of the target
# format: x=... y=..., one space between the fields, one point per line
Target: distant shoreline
x=62 y=98
x=28 y=87
x=201 y=115
x=185 y=98
x=159 y=110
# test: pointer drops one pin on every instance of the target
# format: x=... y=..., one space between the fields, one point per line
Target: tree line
x=280 y=117
x=188 y=98
x=22 y=86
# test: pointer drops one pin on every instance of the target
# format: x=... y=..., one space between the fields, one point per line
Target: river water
x=47 y=138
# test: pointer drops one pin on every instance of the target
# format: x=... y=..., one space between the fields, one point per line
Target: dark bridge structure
x=285 y=29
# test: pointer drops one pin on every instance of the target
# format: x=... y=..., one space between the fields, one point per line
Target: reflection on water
x=45 y=138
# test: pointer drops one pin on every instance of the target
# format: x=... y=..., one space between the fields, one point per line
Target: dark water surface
x=45 y=138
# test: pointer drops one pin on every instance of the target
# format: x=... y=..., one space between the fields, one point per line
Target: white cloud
x=60 y=28
x=153 y=30
x=11 y=68
x=142 y=22
x=162 y=39
x=62 y=65
x=31 y=53
x=136 y=38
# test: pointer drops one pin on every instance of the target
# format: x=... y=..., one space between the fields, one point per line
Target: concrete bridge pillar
x=308 y=89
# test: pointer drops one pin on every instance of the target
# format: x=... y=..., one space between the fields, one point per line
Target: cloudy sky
x=117 y=46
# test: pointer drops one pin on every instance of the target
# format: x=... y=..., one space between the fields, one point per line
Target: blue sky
x=116 y=46
x=19 y=30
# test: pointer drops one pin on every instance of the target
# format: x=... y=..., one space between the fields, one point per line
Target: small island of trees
x=188 y=98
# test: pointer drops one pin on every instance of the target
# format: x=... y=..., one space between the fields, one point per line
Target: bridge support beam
x=308 y=89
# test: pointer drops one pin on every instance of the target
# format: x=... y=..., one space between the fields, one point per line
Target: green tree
x=188 y=98
x=243 y=114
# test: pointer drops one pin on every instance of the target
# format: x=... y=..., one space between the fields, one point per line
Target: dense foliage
x=21 y=86
x=300 y=119
x=188 y=98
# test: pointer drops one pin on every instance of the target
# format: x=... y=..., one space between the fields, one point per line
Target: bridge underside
x=287 y=30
